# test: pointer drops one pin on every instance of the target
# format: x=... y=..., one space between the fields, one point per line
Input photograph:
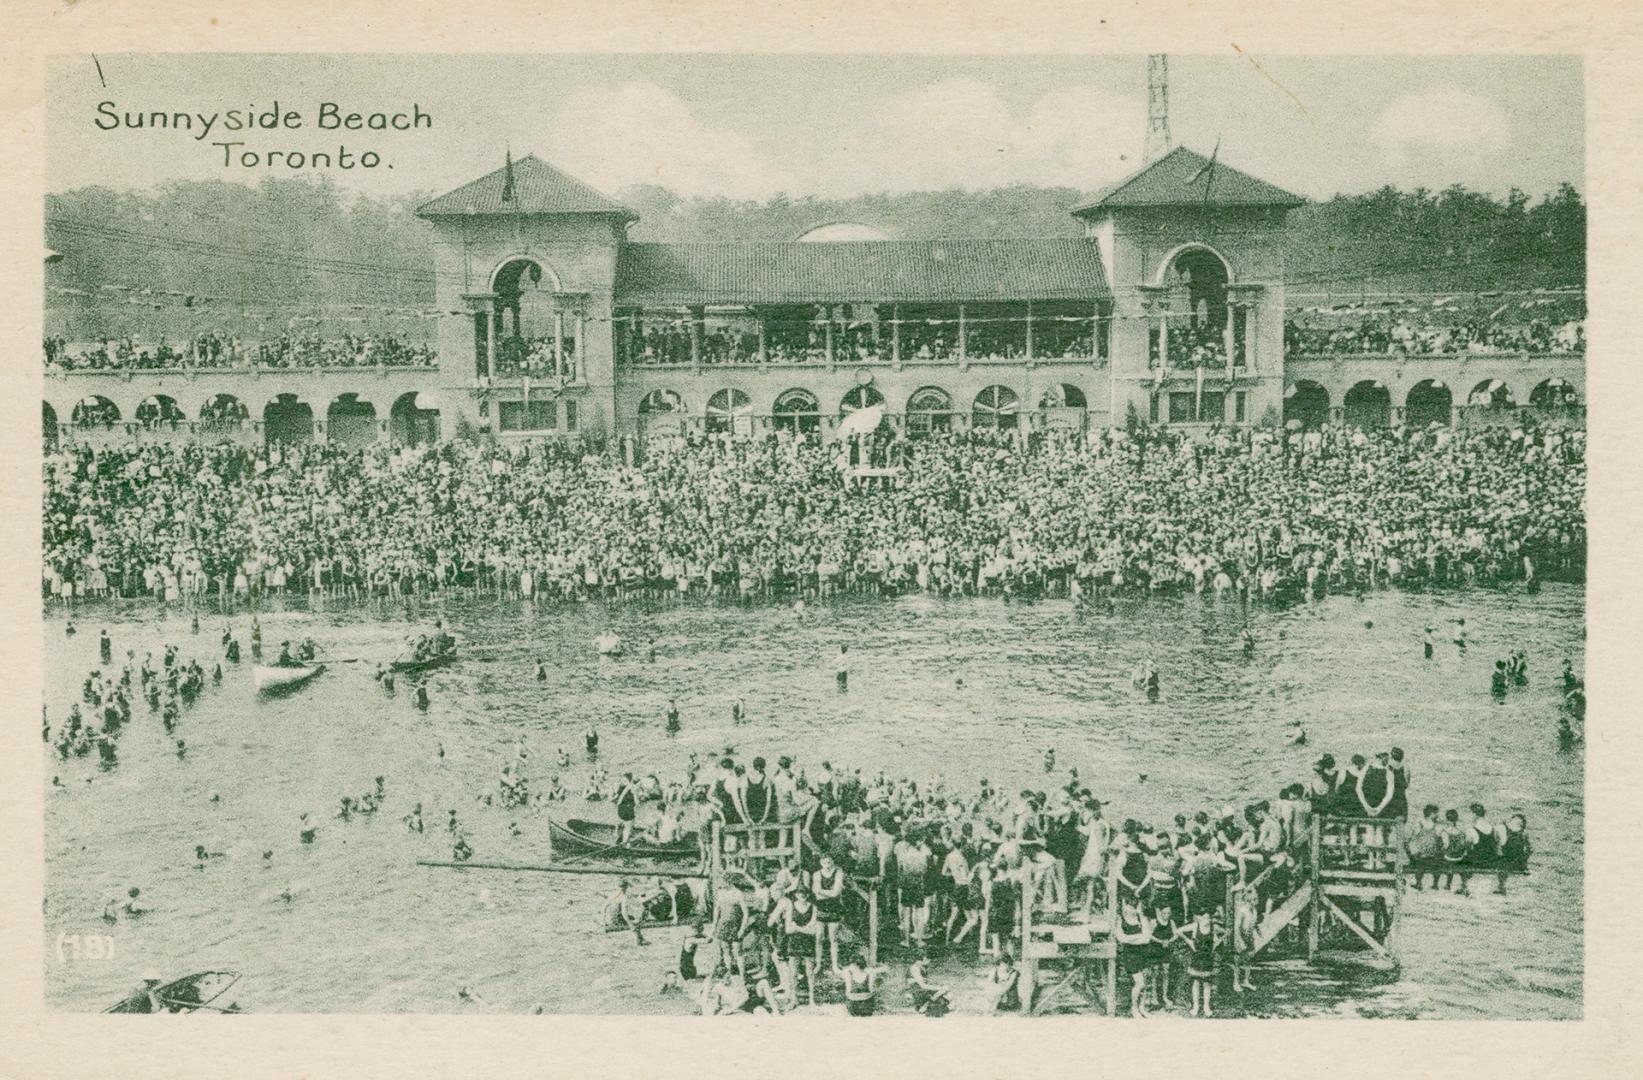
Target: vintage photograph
x=814 y=535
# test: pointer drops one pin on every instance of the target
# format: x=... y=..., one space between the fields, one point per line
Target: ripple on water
x=369 y=931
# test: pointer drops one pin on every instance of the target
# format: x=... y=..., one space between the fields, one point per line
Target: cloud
x=641 y=133
x=1442 y=118
x=955 y=132
x=961 y=132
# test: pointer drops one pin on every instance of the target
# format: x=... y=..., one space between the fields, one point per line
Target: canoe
x=184 y=995
x=598 y=839
x=428 y=664
x=273 y=679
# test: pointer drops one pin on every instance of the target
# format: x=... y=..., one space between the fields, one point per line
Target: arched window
x=411 y=421
x=728 y=410
x=1306 y=404
x=797 y=410
x=1367 y=405
x=660 y=401
x=288 y=419
x=1491 y=394
x=224 y=411
x=929 y=409
x=93 y=411
x=995 y=407
x=350 y=421
x=1063 y=396
x=157 y=410
x=1554 y=394
x=1429 y=402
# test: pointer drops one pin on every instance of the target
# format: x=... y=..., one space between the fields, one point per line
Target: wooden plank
x=688 y=875
x=1362 y=892
x=1357 y=928
x=1280 y=917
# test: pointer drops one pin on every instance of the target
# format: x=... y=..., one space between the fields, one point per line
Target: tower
x=1158 y=137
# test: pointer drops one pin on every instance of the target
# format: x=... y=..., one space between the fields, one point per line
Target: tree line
x=251 y=258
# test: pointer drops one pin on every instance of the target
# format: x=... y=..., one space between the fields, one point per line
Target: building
x=1169 y=309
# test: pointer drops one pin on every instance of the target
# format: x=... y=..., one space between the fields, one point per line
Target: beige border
x=36 y=1044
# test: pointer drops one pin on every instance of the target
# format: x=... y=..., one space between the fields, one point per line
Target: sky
x=748 y=127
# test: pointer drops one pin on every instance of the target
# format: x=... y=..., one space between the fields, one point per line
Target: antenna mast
x=1158 y=137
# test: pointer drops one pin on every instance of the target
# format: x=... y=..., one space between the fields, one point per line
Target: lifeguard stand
x=1056 y=934
x=1353 y=869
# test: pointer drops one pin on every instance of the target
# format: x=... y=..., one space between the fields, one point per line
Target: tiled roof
x=864 y=270
x=1185 y=178
x=538 y=188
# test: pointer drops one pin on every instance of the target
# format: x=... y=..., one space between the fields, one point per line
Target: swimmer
x=388 y=681
x=738 y=712
x=1298 y=738
x=1249 y=643
x=216 y=673
x=134 y=906
x=421 y=699
x=650 y=651
x=590 y=739
x=182 y=748
x=541 y=671
x=202 y=854
x=439 y=751
x=563 y=757
x=1049 y=759
x=673 y=724
x=1497 y=680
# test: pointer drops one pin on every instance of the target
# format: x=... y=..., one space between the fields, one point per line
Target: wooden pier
x=1353 y=877
x=1349 y=873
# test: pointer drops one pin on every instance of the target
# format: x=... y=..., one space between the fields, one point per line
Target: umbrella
x=862 y=421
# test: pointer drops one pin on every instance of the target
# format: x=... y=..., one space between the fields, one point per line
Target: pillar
x=490 y=343
x=895 y=334
x=1029 y=331
x=558 y=342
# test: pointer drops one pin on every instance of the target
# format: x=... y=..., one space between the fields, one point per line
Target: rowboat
x=425 y=664
x=598 y=839
x=274 y=679
x=186 y=994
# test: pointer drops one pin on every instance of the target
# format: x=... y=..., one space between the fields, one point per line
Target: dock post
x=872 y=926
x=1029 y=962
x=1315 y=916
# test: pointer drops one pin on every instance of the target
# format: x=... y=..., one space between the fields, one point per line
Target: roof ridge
x=863 y=243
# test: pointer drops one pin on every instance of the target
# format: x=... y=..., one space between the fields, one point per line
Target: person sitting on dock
x=861 y=990
x=285 y=658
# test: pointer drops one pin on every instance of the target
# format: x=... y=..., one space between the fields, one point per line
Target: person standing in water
x=841 y=668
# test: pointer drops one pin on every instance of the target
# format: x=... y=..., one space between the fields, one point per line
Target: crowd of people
x=952 y=866
x=1251 y=512
x=668 y=341
x=1409 y=334
x=215 y=349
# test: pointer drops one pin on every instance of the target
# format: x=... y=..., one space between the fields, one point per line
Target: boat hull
x=274 y=680
x=598 y=840
x=183 y=995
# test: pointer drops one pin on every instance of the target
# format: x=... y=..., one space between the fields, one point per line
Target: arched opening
x=158 y=410
x=1196 y=280
x=535 y=337
x=1195 y=284
x=95 y=411
x=797 y=410
x=929 y=409
x=1491 y=394
x=350 y=421
x=1429 y=402
x=1368 y=405
x=860 y=397
x=48 y=424
x=223 y=412
x=661 y=402
x=729 y=410
x=1063 y=396
x=1307 y=404
x=411 y=421
x=1554 y=394
x=996 y=407
x=287 y=420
